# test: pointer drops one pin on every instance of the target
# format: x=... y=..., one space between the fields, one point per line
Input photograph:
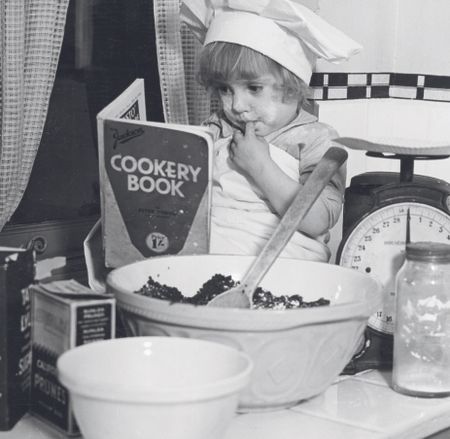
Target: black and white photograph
x=224 y=219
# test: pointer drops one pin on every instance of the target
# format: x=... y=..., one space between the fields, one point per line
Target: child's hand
x=248 y=151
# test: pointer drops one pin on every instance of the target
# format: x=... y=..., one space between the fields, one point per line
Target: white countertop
x=354 y=407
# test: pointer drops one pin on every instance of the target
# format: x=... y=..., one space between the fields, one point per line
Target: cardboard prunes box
x=65 y=314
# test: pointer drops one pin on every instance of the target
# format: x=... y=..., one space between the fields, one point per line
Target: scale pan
x=397 y=145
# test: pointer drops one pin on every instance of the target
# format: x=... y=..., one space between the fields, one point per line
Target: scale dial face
x=376 y=246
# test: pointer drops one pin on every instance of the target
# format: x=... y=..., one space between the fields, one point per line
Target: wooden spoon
x=241 y=296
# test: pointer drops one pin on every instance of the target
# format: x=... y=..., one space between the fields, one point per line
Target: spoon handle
x=299 y=207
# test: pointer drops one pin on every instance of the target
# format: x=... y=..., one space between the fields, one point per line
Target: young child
x=258 y=59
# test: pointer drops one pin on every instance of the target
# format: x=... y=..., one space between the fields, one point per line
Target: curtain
x=31 y=34
x=184 y=100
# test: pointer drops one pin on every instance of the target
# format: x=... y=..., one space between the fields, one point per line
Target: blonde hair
x=221 y=62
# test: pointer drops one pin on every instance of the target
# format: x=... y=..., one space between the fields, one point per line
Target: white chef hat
x=284 y=30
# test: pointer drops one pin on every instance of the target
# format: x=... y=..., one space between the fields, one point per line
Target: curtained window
x=31 y=32
x=106 y=45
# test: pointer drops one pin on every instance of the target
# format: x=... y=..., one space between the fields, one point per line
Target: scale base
x=375 y=352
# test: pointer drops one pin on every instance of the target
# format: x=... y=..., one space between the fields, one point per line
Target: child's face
x=258 y=100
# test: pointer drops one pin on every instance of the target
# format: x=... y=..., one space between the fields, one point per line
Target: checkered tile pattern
x=327 y=86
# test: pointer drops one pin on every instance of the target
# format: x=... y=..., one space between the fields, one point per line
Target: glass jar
x=421 y=362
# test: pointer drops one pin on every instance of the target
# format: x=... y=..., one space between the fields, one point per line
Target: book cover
x=17 y=271
x=155 y=183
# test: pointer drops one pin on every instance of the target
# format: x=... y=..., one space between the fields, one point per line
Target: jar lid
x=428 y=251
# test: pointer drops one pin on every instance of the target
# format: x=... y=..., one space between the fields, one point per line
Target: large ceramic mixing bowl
x=297 y=353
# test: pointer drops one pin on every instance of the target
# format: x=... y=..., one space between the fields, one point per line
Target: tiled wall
x=407 y=36
x=328 y=86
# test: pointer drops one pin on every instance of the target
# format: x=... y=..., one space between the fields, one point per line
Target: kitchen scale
x=382 y=212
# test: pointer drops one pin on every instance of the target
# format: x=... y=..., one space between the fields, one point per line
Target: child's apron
x=241 y=219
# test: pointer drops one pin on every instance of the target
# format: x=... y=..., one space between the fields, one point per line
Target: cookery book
x=17 y=272
x=155 y=183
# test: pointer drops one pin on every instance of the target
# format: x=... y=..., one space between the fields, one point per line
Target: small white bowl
x=154 y=387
